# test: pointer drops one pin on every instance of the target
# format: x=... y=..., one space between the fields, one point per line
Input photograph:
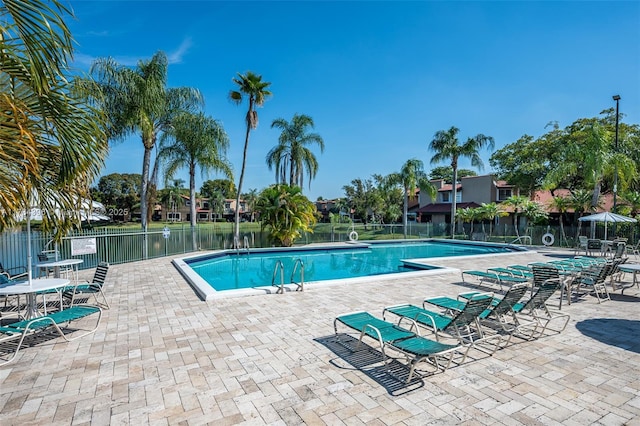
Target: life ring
x=353 y=236
x=548 y=239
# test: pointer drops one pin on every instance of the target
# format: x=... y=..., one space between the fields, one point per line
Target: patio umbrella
x=606 y=217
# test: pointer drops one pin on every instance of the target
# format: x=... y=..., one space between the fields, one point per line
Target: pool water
x=243 y=270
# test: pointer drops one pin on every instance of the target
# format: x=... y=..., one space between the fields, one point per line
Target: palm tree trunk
x=236 y=239
x=192 y=199
x=454 y=186
x=144 y=188
x=405 y=208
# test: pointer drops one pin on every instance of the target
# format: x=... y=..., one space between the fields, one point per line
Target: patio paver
x=162 y=356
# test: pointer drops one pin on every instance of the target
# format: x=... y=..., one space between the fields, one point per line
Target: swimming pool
x=232 y=271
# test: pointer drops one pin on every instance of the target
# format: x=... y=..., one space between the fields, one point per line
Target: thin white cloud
x=176 y=56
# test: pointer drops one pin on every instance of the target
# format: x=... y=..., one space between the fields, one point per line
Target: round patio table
x=30 y=290
x=57 y=264
x=630 y=268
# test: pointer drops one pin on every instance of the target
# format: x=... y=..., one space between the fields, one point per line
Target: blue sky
x=378 y=78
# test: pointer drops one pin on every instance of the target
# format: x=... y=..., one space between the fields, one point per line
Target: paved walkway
x=162 y=356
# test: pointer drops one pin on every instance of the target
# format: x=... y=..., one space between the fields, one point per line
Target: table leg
x=31 y=310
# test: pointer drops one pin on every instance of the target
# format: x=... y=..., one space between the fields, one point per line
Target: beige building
x=471 y=192
x=181 y=212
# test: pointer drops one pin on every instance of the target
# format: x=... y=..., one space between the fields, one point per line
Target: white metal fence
x=118 y=245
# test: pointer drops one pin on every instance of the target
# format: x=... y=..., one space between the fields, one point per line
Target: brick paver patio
x=162 y=356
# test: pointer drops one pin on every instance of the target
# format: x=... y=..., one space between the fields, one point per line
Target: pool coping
x=207 y=293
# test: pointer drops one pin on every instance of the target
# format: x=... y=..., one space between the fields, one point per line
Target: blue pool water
x=231 y=270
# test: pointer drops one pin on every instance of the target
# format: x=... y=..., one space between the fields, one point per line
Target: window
x=504 y=193
x=175 y=216
x=205 y=205
x=445 y=197
x=227 y=205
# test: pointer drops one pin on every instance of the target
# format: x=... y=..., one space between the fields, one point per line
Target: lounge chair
x=514 y=272
x=95 y=287
x=634 y=250
x=499 y=315
x=18 y=331
x=594 y=278
x=582 y=245
x=16 y=273
x=413 y=346
x=459 y=325
x=494 y=277
x=535 y=307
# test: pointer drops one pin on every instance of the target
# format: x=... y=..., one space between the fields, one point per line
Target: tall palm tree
x=292 y=150
x=53 y=146
x=411 y=177
x=194 y=140
x=137 y=100
x=446 y=146
x=251 y=87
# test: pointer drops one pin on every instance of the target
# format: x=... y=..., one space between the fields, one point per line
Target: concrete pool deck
x=163 y=356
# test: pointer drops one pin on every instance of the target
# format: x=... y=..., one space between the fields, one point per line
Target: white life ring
x=548 y=239
x=353 y=236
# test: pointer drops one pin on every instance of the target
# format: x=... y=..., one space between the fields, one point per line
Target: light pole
x=615 y=177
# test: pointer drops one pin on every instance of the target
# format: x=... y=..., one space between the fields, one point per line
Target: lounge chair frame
x=409 y=344
x=22 y=329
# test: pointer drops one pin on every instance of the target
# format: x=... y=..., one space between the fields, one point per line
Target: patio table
x=630 y=268
x=57 y=264
x=30 y=290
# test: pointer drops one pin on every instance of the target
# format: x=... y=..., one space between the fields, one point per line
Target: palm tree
x=632 y=198
x=517 y=202
x=138 y=100
x=194 y=140
x=468 y=215
x=172 y=196
x=286 y=212
x=53 y=145
x=250 y=198
x=562 y=204
x=490 y=211
x=411 y=177
x=256 y=91
x=293 y=149
x=446 y=146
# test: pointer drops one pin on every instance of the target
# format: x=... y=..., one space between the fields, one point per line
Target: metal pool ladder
x=300 y=285
x=278 y=268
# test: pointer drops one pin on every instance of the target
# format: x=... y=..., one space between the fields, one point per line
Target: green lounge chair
x=459 y=324
x=594 y=278
x=414 y=347
x=94 y=288
x=494 y=277
x=499 y=315
x=22 y=329
x=535 y=308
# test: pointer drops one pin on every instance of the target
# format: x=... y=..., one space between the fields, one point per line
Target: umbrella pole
x=29 y=260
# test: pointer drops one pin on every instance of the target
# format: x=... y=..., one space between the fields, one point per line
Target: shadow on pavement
x=622 y=333
x=364 y=358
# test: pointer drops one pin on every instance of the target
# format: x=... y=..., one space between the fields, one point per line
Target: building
x=181 y=212
x=471 y=192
